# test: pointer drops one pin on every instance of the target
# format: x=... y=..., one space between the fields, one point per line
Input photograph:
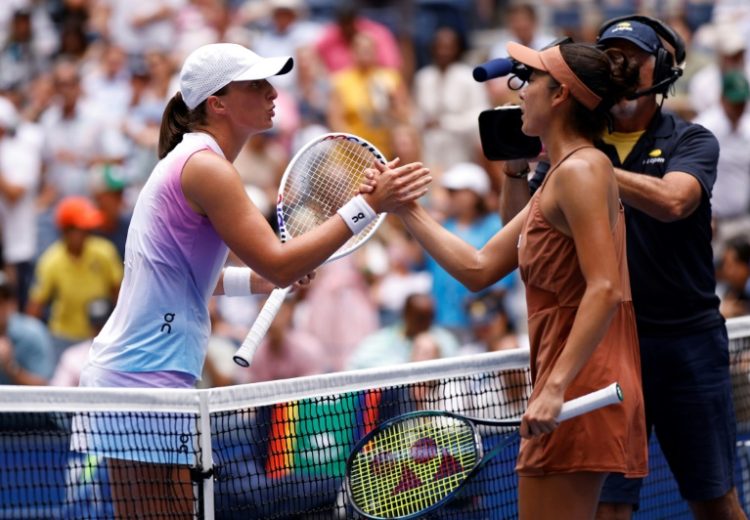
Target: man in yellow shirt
x=74 y=271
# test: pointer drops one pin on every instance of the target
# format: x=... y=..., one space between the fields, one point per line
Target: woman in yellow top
x=368 y=100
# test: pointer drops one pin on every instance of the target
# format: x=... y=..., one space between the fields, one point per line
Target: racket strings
x=322 y=180
x=412 y=465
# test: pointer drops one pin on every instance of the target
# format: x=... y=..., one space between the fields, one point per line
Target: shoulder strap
x=558 y=163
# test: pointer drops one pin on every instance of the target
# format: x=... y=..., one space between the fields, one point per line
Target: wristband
x=518 y=175
x=237 y=281
x=357 y=214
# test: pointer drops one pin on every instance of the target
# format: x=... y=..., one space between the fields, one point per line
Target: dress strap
x=564 y=158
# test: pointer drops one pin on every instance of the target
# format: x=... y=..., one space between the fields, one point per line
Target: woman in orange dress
x=569 y=243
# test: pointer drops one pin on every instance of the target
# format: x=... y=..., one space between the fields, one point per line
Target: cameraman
x=665 y=169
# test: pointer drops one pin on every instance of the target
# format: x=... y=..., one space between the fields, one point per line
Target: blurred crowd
x=83 y=84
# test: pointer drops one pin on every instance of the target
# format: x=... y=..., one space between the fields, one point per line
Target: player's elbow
x=608 y=292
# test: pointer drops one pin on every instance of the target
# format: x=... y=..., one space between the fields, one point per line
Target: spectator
x=75 y=138
x=26 y=353
x=68 y=369
x=20 y=171
x=448 y=102
x=395 y=343
x=400 y=278
x=335 y=45
x=730 y=123
x=467 y=216
x=286 y=31
x=138 y=27
x=285 y=352
x=492 y=328
x=366 y=99
x=106 y=83
x=20 y=59
x=522 y=22
x=734 y=277
x=339 y=285
x=74 y=271
x=729 y=48
x=108 y=183
x=151 y=88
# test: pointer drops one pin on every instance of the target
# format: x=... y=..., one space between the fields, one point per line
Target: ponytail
x=175 y=122
x=178 y=120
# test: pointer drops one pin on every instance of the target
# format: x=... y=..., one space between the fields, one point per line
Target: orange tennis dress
x=611 y=439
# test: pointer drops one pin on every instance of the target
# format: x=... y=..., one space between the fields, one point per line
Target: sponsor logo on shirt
x=655 y=157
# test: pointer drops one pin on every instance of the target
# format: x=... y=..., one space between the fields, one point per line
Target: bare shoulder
x=586 y=166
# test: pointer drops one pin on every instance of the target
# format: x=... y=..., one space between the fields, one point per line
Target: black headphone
x=668 y=67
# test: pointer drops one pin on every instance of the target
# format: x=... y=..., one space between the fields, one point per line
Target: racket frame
x=244 y=354
x=611 y=394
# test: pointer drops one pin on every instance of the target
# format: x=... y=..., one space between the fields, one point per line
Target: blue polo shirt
x=671 y=263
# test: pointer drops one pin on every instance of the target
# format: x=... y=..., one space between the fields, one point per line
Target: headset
x=668 y=67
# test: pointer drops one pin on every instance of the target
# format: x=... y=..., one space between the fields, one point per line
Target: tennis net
x=274 y=450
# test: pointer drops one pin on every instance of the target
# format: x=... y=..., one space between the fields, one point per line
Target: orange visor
x=551 y=61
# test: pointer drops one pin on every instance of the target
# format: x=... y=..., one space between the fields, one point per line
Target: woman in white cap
x=191 y=211
x=569 y=243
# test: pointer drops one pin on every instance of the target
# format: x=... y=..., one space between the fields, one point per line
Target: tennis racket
x=321 y=177
x=416 y=462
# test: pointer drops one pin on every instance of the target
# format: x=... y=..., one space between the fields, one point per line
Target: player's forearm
x=594 y=315
x=457 y=257
x=514 y=195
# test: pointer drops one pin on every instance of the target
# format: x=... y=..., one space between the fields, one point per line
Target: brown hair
x=177 y=120
x=608 y=73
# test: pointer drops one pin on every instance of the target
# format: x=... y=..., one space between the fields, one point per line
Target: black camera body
x=501 y=136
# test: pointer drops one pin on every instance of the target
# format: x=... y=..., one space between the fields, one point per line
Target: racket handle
x=245 y=353
x=611 y=394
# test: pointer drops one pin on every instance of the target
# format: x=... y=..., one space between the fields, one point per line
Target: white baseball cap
x=211 y=67
x=466 y=176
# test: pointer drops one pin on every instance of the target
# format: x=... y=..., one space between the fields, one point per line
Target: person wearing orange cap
x=569 y=243
x=74 y=271
x=666 y=171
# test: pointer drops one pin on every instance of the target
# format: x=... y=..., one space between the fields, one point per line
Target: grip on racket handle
x=245 y=353
x=611 y=394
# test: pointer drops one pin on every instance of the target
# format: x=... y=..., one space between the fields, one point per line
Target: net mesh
x=276 y=450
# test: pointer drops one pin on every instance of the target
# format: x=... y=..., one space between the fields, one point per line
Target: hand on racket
x=416 y=462
x=321 y=177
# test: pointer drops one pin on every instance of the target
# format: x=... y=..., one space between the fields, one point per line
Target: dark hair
x=178 y=119
x=741 y=247
x=608 y=73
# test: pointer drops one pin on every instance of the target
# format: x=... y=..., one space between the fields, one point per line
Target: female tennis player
x=569 y=243
x=191 y=211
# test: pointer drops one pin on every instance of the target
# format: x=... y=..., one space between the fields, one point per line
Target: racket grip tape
x=245 y=353
x=611 y=394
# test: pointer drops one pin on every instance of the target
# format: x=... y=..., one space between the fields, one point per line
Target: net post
x=206 y=458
